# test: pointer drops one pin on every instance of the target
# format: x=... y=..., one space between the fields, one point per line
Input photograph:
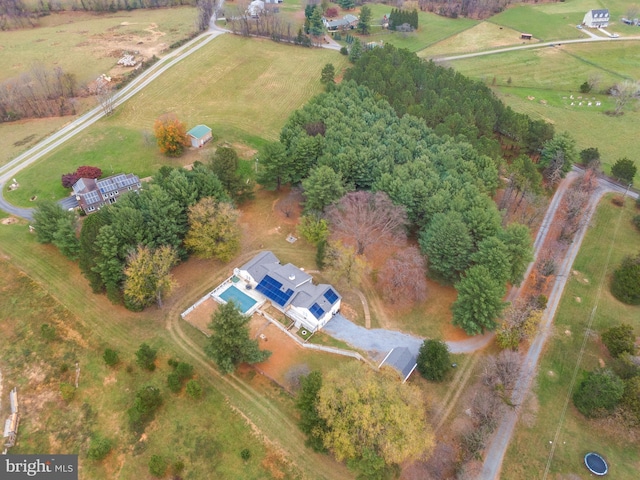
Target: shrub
x=147 y=401
x=48 y=332
x=636 y=221
x=99 y=448
x=67 y=391
x=110 y=357
x=542 y=302
x=184 y=370
x=626 y=281
x=433 y=360
x=68 y=179
x=172 y=362
x=631 y=397
x=245 y=454
x=598 y=393
x=344 y=51
x=146 y=357
x=178 y=466
x=585 y=87
x=157 y=466
x=618 y=201
x=194 y=390
x=174 y=382
x=619 y=339
x=86 y=171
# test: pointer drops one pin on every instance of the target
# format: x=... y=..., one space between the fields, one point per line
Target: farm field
x=431 y=29
x=244 y=89
x=588 y=288
x=483 y=36
x=540 y=82
x=89 y=44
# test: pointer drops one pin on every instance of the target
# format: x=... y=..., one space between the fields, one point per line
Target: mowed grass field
x=540 y=82
x=431 y=29
x=244 y=89
x=588 y=287
x=88 y=44
x=483 y=36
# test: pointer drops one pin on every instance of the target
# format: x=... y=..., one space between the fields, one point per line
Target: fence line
x=322 y=348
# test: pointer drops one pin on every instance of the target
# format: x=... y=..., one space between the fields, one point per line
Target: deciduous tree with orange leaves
x=171 y=135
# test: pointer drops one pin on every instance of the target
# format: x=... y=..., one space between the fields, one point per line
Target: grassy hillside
x=588 y=287
x=244 y=89
x=540 y=82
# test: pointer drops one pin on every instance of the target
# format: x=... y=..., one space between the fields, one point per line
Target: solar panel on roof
x=92 y=197
x=316 y=310
x=331 y=296
x=271 y=289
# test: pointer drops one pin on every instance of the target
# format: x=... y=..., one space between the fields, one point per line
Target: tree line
x=447 y=101
x=399 y=17
x=40 y=92
x=127 y=249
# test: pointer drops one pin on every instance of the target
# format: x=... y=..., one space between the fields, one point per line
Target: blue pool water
x=245 y=302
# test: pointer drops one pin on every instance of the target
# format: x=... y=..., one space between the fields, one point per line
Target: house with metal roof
x=596 y=18
x=94 y=194
x=199 y=135
x=291 y=290
x=347 y=22
x=402 y=360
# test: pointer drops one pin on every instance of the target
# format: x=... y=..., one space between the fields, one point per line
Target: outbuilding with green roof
x=199 y=135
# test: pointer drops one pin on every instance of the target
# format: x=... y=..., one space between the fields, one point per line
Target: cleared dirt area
x=200 y=317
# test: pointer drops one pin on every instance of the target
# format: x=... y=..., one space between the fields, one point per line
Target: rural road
x=533 y=45
x=11 y=169
x=494 y=454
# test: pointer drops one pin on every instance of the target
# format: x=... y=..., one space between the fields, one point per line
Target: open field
x=49 y=424
x=483 y=36
x=88 y=44
x=551 y=75
x=431 y=29
x=529 y=449
x=244 y=89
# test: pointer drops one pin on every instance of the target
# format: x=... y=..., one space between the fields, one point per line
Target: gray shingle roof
x=402 y=360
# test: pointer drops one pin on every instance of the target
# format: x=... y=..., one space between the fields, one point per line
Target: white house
x=596 y=18
x=291 y=290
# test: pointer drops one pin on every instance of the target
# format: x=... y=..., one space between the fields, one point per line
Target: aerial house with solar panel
x=93 y=194
x=290 y=290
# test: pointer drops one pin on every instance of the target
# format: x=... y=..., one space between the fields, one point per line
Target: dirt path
x=365 y=307
x=455 y=390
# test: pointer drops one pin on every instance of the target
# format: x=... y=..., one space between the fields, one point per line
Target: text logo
x=45 y=467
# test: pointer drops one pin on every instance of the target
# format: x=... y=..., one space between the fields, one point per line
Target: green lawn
x=431 y=29
x=79 y=39
x=244 y=89
x=529 y=449
x=551 y=75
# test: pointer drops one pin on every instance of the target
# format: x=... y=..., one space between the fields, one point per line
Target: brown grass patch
x=200 y=317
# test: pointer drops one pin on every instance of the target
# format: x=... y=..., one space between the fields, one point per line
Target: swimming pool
x=242 y=300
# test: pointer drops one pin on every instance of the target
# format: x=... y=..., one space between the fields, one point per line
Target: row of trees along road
x=429 y=185
x=127 y=249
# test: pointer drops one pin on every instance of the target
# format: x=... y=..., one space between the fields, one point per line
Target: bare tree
x=594 y=81
x=106 y=96
x=365 y=218
x=205 y=12
x=501 y=372
x=294 y=376
x=624 y=92
x=403 y=278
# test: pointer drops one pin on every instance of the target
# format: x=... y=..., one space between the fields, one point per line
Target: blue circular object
x=596 y=464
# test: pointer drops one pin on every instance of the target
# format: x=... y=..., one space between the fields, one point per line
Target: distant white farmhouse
x=596 y=18
x=291 y=291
